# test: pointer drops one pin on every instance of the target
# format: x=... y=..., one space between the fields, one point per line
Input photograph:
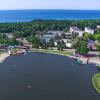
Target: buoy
x=29 y=86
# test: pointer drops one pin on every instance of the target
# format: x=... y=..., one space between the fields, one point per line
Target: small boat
x=79 y=62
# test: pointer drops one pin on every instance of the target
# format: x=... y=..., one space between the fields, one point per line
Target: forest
x=38 y=26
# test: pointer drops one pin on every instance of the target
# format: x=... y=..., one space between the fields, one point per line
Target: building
x=59 y=33
x=76 y=30
x=91 y=45
x=67 y=42
x=52 y=34
x=3 y=47
x=89 y=30
x=68 y=33
x=98 y=26
x=69 y=45
x=48 y=36
x=55 y=43
x=8 y=35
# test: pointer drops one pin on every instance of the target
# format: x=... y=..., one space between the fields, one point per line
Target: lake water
x=39 y=76
x=28 y=15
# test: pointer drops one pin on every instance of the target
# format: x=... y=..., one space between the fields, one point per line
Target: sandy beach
x=3 y=56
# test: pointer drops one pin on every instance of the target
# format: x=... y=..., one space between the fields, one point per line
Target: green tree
x=82 y=48
x=35 y=42
x=60 y=45
x=98 y=47
x=51 y=43
x=43 y=44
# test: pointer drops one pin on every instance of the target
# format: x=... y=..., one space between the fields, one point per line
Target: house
x=3 y=47
x=76 y=30
x=8 y=35
x=98 y=26
x=48 y=36
x=67 y=43
x=59 y=33
x=91 y=45
x=67 y=40
x=89 y=30
x=68 y=33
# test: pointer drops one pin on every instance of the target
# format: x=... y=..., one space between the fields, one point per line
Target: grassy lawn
x=96 y=82
x=65 y=53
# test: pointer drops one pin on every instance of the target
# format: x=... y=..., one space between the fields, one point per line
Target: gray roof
x=76 y=29
x=88 y=28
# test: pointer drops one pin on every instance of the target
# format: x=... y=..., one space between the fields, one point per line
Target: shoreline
x=3 y=56
x=92 y=60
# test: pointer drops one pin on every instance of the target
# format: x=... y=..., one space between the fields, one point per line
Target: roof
x=76 y=29
x=55 y=32
x=91 y=42
x=88 y=28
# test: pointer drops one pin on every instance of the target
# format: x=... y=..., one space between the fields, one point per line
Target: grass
x=96 y=82
x=64 y=53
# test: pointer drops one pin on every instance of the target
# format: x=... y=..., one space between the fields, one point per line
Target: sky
x=49 y=4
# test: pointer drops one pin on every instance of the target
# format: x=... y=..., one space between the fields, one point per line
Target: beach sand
x=3 y=56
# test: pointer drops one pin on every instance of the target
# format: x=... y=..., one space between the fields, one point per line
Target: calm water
x=28 y=15
x=52 y=77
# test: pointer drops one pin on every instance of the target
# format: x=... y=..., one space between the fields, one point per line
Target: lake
x=39 y=76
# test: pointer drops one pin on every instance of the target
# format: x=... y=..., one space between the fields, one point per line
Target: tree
x=35 y=42
x=82 y=48
x=51 y=43
x=43 y=44
x=98 y=47
x=74 y=35
x=60 y=45
x=88 y=36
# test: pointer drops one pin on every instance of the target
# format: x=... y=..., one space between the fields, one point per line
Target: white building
x=55 y=32
x=89 y=30
x=68 y=33
x=49 y=36
x=67 y=42
x=9 y=35
x=69 y=45
x=55 y=43
x=77 y=30
x=98 y=26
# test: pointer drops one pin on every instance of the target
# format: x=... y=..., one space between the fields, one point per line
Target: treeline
x=34 y=27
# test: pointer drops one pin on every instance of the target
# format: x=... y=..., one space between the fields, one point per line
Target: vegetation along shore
x=96 y=82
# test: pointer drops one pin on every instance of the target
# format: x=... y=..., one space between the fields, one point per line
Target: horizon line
x=47 y=9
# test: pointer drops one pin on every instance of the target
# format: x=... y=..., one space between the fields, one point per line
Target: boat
x=80 y=62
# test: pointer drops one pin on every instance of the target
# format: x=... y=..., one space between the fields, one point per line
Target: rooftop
x=76 y=29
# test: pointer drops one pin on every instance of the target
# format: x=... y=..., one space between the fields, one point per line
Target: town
x=54 y=39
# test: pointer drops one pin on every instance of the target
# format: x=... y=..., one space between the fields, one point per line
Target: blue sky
x=49 y=4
